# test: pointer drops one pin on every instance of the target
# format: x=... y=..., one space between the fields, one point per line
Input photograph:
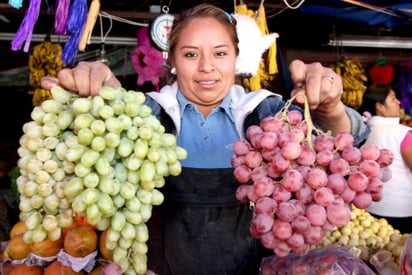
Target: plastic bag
x=406 y=257
x=327 y=260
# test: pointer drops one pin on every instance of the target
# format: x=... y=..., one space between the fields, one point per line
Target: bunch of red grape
x=301 y=184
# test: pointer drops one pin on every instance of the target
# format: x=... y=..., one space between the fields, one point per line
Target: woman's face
x=390 y=108
x=204 y=58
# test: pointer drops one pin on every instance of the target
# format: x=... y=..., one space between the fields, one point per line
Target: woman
x=380 y=101
x=201 y=228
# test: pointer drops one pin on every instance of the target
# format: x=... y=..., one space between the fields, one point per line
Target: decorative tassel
x=25 y=31
x=17 y=4
x=62 y=13
x=272 y=57
x=75 y=23
x=90 y=22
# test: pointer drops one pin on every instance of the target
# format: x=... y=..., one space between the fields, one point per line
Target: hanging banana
x=44 y=60
x=354 y=80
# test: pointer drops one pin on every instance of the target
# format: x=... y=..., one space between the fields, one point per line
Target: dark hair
x=202 y=11
x=373 y=94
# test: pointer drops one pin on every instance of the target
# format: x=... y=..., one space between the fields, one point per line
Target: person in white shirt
x=380 y=101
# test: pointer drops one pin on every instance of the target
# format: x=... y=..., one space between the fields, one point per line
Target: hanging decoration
x=62 y=14
x=405 y=85
x=17 y=4
x=254 y=37
x=25 y=30
x=75 y=23
x=44 y=60
x=147 y=60
x=381 y=72
x=89 y=25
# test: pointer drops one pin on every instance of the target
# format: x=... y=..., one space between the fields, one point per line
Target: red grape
x=307 y=156
x=266 y=205
x=369 y=167
x=338 y=214
x=343 y=140
x=295 y=117
x=262 y=222
x=362 y=200
x=370 y=151
x=292 y=180
x=241 y=147
x=268 y=140
x=339 y=166
x=263 y=187
x=316 y=178
x=271 y=124
x=358 y=181
x=352 y=155
x=385 y=158
x=316 y=214
x=323 y=196
x=253 y=159
x=337 y=183
x=282 y=229
x=291 y=150
x=242 y=174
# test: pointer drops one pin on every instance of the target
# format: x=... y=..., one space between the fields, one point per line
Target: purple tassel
x=62 y=13
x=25 y=31
x=77 y=19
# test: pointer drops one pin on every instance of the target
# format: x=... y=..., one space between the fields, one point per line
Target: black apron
x=201 y=228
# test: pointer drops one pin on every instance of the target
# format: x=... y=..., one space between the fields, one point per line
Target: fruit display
x=302 y=185
x=354 y=80
x=97 y=162
x=374 y=237
x=363 y=230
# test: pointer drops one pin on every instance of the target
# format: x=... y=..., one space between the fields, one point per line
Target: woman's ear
x=380 y=108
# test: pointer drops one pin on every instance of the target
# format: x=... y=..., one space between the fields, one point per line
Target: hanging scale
x=160 y=29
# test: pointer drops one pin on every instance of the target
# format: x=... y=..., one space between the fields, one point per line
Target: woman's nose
x=206 y=64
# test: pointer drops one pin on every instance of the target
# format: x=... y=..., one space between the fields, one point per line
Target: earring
x=173 y=70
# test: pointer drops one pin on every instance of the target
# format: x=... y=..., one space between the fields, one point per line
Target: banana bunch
x=44 y=60
x=363 y=231
x=354 y=81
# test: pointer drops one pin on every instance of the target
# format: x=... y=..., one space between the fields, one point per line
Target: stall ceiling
x=307 y=23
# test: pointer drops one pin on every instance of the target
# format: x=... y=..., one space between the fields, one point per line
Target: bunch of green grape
x=103 y=157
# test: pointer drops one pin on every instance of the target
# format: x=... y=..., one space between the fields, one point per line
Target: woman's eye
x=190 y=55
x=221 y=53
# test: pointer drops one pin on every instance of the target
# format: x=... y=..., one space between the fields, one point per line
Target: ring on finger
x=329 y=77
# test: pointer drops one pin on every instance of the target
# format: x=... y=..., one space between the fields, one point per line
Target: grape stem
x=306 y=115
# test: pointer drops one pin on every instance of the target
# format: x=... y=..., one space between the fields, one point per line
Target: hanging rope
x=293 y=7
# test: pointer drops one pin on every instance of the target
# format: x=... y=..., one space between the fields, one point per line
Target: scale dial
x=160 y=30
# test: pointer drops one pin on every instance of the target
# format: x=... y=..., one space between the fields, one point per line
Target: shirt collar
x=225 y=105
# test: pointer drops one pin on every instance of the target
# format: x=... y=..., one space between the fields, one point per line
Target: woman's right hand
x=86 y=78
